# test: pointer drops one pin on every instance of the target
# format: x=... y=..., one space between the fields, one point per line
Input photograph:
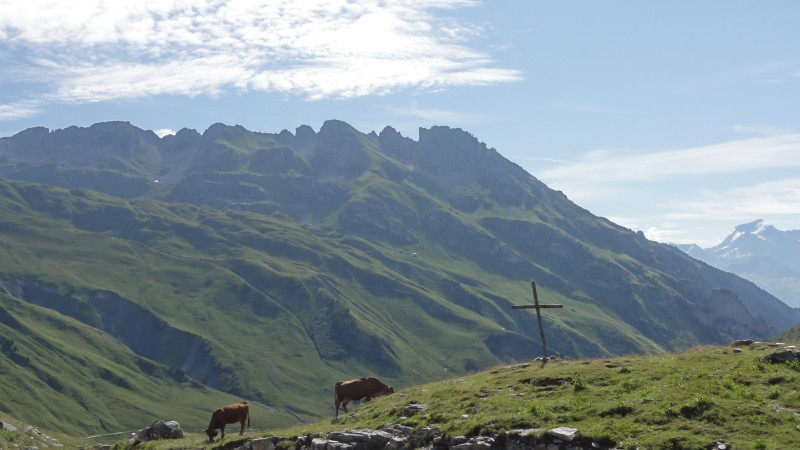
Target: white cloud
x=607 y=168
x=582 y=108
x=664 y=233
x=773 y=199
x=763 y=130
x=688 y=195
x=89 y=51
x=19 y=110
x=164 y=132
x=778 y=201
x=437 y=115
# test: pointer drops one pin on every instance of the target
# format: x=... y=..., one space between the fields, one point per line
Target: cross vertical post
x=538 y=308
x=539 y=318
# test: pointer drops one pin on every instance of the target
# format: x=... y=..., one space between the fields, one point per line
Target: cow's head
x=388 y=390
x=211 y=434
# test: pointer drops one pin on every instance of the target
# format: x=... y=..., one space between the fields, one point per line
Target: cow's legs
x=343 y=403
x=223 y=432
x=241 y=431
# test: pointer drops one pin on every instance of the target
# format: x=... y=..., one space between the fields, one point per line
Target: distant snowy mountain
x=760 y=253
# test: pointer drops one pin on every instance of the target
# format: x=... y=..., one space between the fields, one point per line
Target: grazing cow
x=364 y=387
x=235 y=412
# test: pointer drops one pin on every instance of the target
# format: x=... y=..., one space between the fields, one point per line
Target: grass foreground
x=694 y=399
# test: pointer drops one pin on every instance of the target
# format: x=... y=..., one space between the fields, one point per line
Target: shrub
x=540 y=411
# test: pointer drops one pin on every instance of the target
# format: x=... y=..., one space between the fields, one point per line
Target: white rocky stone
x=564 y=433
x=262 y=444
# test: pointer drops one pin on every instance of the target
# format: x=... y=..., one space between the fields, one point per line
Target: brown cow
x=364 y=387
x=235 y=412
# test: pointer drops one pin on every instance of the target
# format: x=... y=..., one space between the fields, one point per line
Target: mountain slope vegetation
x=270 y=266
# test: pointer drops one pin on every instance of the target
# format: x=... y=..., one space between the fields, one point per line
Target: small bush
x=774 y=393
x=579 y=382
x=701 y=405
x=540 y=411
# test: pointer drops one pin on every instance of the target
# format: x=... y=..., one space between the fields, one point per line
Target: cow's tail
x=336 y=397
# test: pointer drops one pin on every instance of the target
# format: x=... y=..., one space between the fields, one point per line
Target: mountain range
x=761 y=253
x=142 y=276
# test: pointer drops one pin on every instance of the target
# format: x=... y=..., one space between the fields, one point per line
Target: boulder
x=782 y=356
x=564 y=433
x=413 y=408
x=472 y=443
x=160 y=429
x=369 y=438
x=262 y=444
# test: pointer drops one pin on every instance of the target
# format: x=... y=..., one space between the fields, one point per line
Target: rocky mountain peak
x=756 y=227
x=757 y=237
x=453 y=145
x=183 y=132
x=32 y=133
x=333 y=127
x=760 y=253
x=220 y=130
x=751 y=227
x=304 y=132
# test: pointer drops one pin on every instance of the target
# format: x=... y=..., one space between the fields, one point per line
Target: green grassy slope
x=252 y=293
x=688 y=400
x=790 y=335
x=271 y=266
x=62 y=375
x=254 y=311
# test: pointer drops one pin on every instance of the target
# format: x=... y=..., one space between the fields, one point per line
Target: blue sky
x=680 y=118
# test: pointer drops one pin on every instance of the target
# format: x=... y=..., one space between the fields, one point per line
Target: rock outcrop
x=399 y=437
x=159 y=429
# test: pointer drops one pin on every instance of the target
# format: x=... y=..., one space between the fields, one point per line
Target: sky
x=680 y=119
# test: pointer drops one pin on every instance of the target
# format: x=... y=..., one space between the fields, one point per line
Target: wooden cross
x=538 y=308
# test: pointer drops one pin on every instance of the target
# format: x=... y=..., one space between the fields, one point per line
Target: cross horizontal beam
x=535 y=306
x=538 y=307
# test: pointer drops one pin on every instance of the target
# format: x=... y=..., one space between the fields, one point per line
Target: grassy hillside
x=265 y=321
x=790 y=335
x=268 y=267
x=61 y=375
x=689 y=400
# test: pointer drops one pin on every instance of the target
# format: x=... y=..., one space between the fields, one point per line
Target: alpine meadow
x=147 y=277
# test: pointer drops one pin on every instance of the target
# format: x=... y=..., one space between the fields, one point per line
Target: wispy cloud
x=609 y=167
x=92 y=51
x=777 y=201
x=19 y=110
x=772 y=199
x=674 y=196
x=762 y=130
x=164 y=132
x=437 y=115
x=582 y=108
